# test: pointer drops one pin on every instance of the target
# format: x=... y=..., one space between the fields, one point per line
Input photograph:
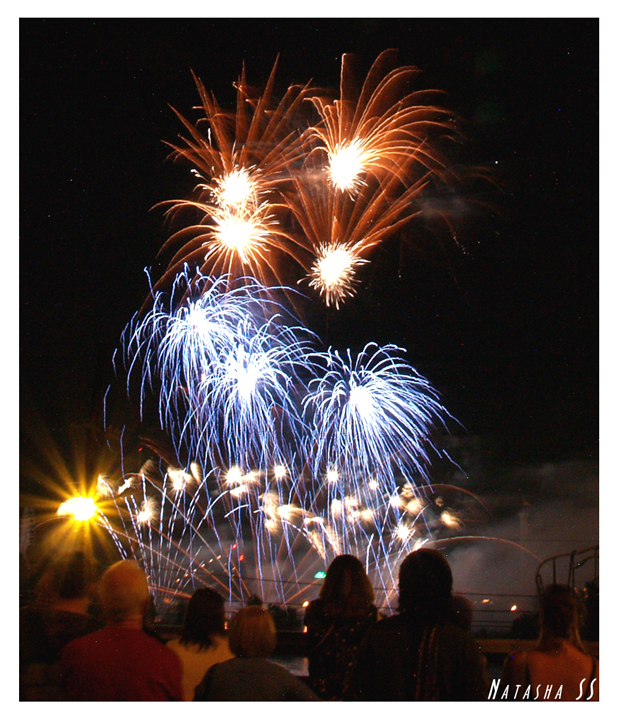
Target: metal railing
x=575 y=561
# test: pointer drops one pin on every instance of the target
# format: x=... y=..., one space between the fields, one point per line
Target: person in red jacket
x=121 y=662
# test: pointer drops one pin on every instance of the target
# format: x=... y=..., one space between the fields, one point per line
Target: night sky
x=504 y=324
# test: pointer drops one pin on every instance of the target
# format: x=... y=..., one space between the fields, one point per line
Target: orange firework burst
x=333 y=272
x=382 y=130
x=242 y=161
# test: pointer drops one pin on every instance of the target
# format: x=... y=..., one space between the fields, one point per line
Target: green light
x=320 y=574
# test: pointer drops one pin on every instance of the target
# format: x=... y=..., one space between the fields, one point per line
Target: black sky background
x=505 y=325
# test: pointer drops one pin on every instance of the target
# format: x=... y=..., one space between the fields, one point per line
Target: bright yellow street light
x=80 y=508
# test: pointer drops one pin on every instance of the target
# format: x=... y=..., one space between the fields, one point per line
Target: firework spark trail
x=259 y=133
x=238 y=243
x=289 y=541
x=273 y=521
x=281 y=529
x=251 y=394
x=106 y=489
x=258 y=509
x=104 y=522
x=183 y=342
x=173 y=539
x=173 y=545
x=381 y=162
x=370 y=416
x=190 y=518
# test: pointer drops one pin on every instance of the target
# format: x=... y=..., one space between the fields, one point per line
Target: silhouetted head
x=347 y=589
x=204 y=619
x=462 y=611
x=252 y=633
x=559 y=615
x=70 y=577
x=425 y=584
x=123 y=591
x=75 y=575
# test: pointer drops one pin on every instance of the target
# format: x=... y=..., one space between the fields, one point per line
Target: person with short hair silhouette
x=121 y=662
x=250 y=676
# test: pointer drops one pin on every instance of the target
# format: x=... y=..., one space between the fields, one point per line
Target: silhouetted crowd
x=425 y=651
